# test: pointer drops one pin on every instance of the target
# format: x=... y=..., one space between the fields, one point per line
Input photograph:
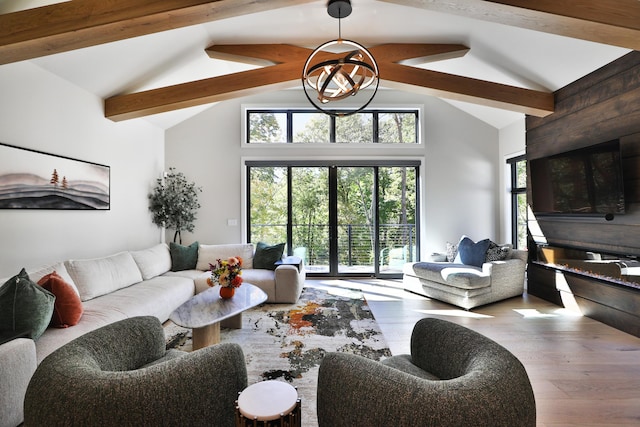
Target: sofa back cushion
x=101 y=276
x=38 y=273
x=208 y=254
x=154 y=261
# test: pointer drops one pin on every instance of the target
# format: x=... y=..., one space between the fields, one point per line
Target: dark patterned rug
x=287 y=342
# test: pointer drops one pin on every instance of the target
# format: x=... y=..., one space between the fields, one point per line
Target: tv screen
x=584 y=181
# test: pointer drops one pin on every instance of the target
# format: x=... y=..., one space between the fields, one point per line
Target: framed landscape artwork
x=32 y=179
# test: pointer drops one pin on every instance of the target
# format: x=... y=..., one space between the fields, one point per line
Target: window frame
x=332 y=125
x=515 y=191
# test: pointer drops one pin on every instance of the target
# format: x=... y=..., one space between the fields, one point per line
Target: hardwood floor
x=583 y=372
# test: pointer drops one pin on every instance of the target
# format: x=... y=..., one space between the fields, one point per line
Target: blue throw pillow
x=473 y=253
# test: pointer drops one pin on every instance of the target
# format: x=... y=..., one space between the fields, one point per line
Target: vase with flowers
x=228 y=274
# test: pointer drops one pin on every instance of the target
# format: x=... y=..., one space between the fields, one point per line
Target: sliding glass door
x=342 y=219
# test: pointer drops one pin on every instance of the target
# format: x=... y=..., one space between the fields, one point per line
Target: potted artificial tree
x=174 y=202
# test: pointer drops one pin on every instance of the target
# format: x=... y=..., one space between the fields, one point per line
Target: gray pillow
x=25 y=306
x=496 y=252
x=266 y=256
x=183 y=257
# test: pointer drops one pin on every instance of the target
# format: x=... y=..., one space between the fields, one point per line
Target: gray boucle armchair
x=121 y=375
x=453 y=377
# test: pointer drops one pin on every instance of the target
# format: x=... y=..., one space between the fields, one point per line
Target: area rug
x=286 y=342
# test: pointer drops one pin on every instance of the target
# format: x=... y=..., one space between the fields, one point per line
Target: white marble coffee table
x=205 y=311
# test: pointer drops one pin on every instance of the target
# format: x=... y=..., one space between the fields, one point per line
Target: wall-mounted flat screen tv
x=584 y=181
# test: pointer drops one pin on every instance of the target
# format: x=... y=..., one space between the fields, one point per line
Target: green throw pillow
x=25 y=306
x=183 y=257
x=266 y=256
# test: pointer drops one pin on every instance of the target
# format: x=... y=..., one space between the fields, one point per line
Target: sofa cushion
x=101 y=276
x=59 y=267
x=154 y=297
x=67 y=309
x=266 y=255
x=209 y=254
x=183 y=257
x=264 y=279
x=154 y=261
x=451 y=274
x=25 y=306
x=471 y=253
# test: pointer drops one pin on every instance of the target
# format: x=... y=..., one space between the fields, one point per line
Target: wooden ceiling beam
x=206 y=91
x=612 y=22
x=76 y=24
x=460 y=88
x=287 y=74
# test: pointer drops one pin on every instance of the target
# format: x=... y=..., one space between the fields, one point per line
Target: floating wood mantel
x=394 y=63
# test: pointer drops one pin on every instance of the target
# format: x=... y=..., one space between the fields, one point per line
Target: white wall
x=512 y=144
x=40 y=111
x=459 y=154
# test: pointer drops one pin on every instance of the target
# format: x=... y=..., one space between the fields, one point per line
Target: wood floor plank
x=583 y=372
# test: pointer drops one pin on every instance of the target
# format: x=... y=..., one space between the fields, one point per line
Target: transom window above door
x=269 y=126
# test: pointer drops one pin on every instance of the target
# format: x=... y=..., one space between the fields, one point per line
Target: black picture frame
x=31 y=179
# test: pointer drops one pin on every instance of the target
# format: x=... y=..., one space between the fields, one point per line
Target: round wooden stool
x=268 y=404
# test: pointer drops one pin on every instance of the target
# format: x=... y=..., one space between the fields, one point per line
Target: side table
x=268 y=404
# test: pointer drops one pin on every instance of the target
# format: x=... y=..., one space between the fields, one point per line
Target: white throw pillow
x=36 y=274
x=154 y=261
x=101 y=276
x=208 y=254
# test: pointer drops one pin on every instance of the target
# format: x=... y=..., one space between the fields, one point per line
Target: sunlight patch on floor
x=455 y=313
x=374 y=289
x=535 y=313
x=532 y=312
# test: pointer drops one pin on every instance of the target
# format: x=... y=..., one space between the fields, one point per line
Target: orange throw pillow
x=67 y=309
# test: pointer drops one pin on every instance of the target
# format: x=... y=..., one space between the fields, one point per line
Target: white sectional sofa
x=127 y=284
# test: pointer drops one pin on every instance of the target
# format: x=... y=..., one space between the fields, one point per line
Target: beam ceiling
x=286 y=74
x=612 y=22
x=76 y=24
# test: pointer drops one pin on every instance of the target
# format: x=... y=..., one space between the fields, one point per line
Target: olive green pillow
x=183 y=257
x=266 y=256
x=25 y=306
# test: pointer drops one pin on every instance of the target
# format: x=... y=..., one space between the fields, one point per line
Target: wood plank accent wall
x=599 y=107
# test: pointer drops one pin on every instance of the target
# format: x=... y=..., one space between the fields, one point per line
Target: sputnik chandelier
x=340 y=70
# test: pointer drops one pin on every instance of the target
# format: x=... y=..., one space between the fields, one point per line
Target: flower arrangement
x=228 y=273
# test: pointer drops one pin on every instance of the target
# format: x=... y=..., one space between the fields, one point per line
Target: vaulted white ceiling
x=498 y=53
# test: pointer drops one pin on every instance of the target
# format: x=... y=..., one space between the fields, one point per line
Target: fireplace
x=603 y=286
x=616 y=269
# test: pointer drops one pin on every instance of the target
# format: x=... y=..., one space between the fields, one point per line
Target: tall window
x=518 y=201
x=341 y=217
x=307 y=126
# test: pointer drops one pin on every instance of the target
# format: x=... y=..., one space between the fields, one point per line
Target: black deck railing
x=356 y=243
